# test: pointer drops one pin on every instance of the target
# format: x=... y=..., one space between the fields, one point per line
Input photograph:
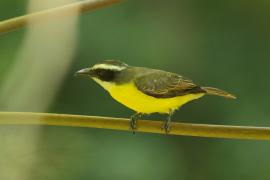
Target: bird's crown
x=110 y=65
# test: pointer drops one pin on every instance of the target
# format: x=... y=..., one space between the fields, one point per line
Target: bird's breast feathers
x=129 y=95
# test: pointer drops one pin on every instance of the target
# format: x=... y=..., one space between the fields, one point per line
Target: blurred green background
x=224 y=44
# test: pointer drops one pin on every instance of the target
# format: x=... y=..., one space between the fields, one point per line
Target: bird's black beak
x=84 y=72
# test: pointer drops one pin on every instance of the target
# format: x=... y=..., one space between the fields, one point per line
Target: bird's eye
x=100 y=72
x=106 y=75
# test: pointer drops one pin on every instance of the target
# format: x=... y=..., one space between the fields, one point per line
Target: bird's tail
x=218 y=92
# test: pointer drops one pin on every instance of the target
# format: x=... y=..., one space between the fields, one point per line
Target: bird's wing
x=162 y=84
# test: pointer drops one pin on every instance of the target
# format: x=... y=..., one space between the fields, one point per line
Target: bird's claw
x=167 y=127
x=133 y=122
x=167 y=124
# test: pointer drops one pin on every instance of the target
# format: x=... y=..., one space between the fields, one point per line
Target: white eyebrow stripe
x=108 y=66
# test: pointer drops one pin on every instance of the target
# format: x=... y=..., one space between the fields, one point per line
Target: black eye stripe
x=106 y=74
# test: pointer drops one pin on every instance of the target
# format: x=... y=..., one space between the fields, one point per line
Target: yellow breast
x=136 y=100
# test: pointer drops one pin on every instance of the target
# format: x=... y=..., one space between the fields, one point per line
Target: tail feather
x=218 y=92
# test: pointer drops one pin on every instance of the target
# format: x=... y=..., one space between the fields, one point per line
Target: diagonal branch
x=186 y=129
x=66 y=10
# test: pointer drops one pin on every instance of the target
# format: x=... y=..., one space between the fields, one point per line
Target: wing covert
x=162 y=84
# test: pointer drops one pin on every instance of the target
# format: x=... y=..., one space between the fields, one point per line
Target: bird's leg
x=133 y=121
x=167 y=123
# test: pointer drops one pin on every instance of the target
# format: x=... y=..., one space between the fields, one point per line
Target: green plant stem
x=186 y=129
x=66 y=10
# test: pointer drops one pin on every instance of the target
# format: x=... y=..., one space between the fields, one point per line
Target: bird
x=146 y=90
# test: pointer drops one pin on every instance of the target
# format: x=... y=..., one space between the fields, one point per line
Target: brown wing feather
x=164 y=84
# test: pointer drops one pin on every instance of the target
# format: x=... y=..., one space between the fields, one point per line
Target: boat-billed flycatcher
x=146 y=90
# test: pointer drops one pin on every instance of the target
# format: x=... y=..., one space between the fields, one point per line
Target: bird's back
x=163 y=84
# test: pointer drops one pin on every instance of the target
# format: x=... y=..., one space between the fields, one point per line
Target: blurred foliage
x=223 y=44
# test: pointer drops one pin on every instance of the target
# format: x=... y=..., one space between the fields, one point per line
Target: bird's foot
x=166 y=127
x=133 y=122
x=167 y=124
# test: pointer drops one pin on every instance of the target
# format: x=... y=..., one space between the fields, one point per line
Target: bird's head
x=106 y=71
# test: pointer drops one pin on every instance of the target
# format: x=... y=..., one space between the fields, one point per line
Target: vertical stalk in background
x=31 y=84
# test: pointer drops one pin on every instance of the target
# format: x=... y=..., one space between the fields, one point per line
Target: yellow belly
x=134 y=99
